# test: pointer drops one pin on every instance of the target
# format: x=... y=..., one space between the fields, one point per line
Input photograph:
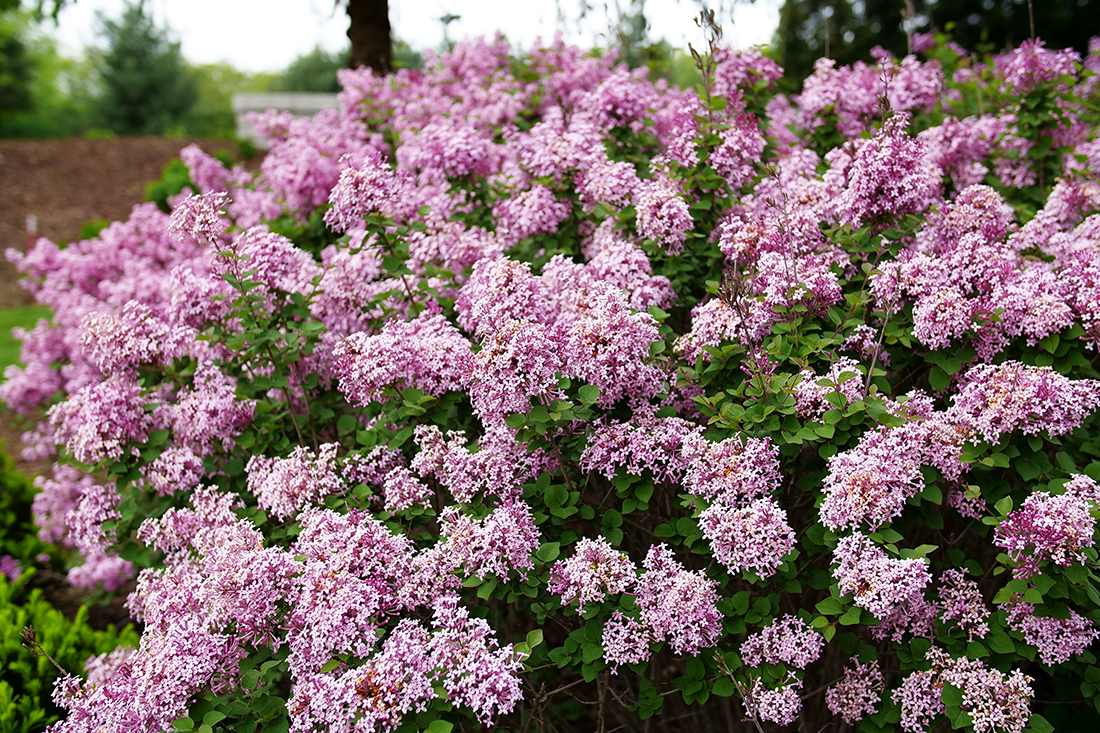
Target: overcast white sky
x=266 y=35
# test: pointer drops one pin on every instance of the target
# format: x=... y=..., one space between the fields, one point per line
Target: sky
x=266 y=35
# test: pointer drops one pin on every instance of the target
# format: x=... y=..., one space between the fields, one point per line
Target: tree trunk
x=369 y=32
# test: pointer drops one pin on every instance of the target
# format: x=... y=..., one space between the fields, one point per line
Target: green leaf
x=830 y=607
x=549 y=551
x=184 y=724
x=213 y=718
x=440 y=726
x=534 y=638
x=1001 y=642
x=588 y=394
x=952 y=696
x=330 y=665
x=1040 y=724
x=1004 y=506
x=939 y=379
x=850 y=617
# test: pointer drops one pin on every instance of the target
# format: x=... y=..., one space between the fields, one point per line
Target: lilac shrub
x=536 y=392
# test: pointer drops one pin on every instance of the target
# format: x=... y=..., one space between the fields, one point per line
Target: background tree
x=146 y=86
x=847 y=30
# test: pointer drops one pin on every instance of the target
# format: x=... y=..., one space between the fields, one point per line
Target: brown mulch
x=68 y=182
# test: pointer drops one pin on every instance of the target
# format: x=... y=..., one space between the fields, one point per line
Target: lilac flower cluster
x=876 y=581
x=594 y=571
x=1046 y=529
x=858 y=694
x=788 y=640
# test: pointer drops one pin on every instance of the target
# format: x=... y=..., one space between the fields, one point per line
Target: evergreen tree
x=146 y=86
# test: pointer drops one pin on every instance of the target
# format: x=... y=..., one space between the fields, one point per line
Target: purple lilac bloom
x=858 y=694
x=678 y=604
x=788 y=640
x=595 y=570
x=755 y=537
x=878 y=582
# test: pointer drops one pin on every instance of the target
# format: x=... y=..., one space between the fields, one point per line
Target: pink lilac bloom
x=285 y=486
x=495 y=545
x=876 y=581
x=595 y=570
x=1046 y=528
x=208 y=415
x=865 y=342
x=739 y=150
x=662 y=212
x=58 y=496
x=518 y=361
x=475 y=670
x=858 y=694
x=531 y=212
x=732 y=470
x=211 y=512
x=404 y=491
x=372 y=467
x=870 y=483
x=888 y=178
x=95 y=423
x=678 y=604
x=369 y=190
x=788 y=640
x=607 y=182
x=844 y=377
x=98 y=504
x=961 y=602
x=134 y=337
x=177 y=468
x=450 y=147
x=1058 y=640
x=754 y=538
x=1031 y=65
x=915 y=617
x=625 y=641
x=427 y=353
x=779 y=705
x=1003 y=398
x=645 y=442
x=200 y=217
x=607 y=346
x=499 y=290
x=995 y=701
x=10 y=568
x=101 y=569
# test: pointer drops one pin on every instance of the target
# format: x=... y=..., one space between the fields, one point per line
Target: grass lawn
x=24 y=317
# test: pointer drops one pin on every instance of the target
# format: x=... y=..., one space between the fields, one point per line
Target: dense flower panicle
x=779 y=705
x=177 y=468
x=404 y=491
x=284 y=486
x=858 y=694
x=961 y=601
x=732 y=470
x=371 y=189
x=845 y=377
x=878 y=582
x=870 y=483
x=996 y=702
x=1002 y=398
x=499 y=290
x=95 y=423
x=740 y=149
x=427 y=353
x=56 y=497
x=645 y=442
x=450 y=147
x=595 y=570
x=200 y=217
x=208 y=415
x=625 y=641
x=888 y=178
x=520 y=360
x=1031 y=64
x=1046 y=529
x=607 y=182
x=607 y=346
x=662 y=212
x=98 y=504
x=355 y=543
x=754 y=538
x=10 y=568
x=1058 y=640
x=788 y=640
x=678 y=604
x=496 y=545
x=136 y=336
x=181 y=528
x=534 y=211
